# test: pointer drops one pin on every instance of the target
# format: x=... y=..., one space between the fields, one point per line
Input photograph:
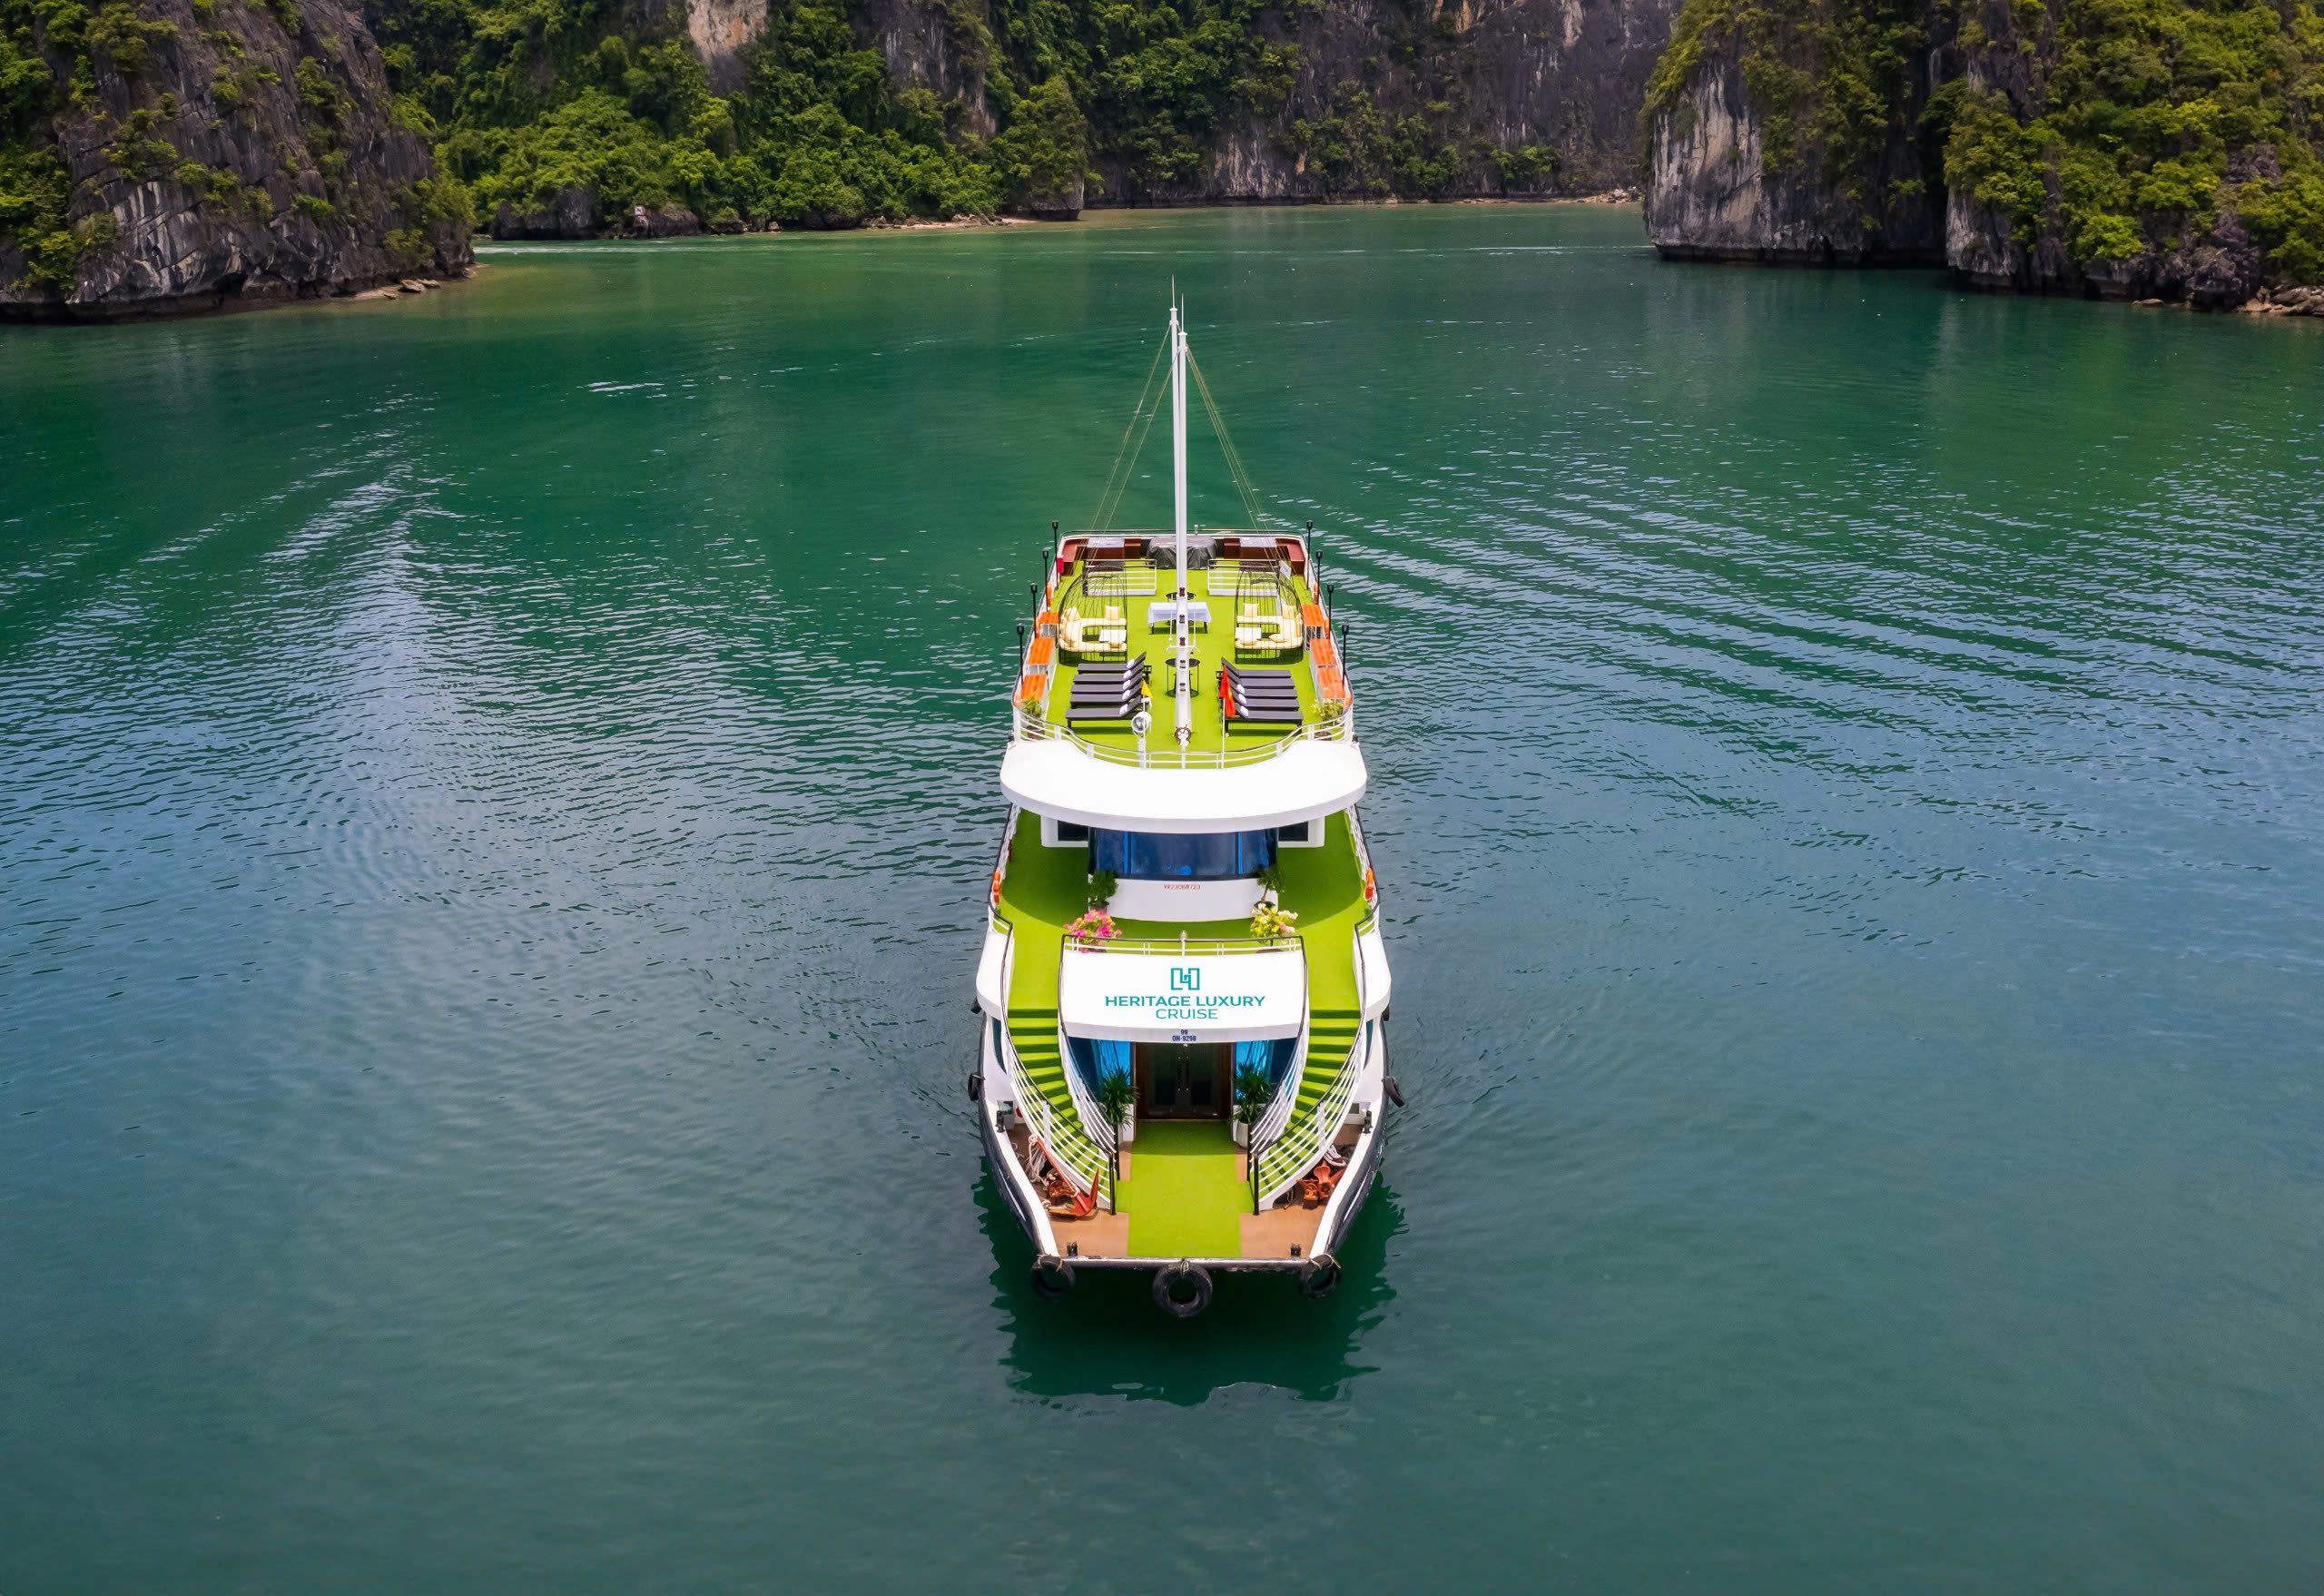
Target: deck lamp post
x=1020 y=648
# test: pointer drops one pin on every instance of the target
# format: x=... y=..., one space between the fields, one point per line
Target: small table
x=1165 y=611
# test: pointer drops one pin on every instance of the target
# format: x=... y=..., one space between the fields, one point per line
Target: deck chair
x=1132 y=694
x=1255 y=678
x=1243 y=700
x=1239 y=714
x=1104 y=712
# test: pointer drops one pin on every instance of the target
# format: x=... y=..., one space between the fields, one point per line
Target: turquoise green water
x=496 y=799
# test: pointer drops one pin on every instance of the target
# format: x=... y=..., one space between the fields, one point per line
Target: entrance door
x=1182 y=1081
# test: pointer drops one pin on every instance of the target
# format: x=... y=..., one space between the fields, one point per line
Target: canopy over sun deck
x=1306 y=781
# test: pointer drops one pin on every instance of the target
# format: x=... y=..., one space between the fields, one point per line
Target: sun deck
x=1105 y=609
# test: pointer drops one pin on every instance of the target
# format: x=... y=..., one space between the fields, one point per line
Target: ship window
x=1295 y=835
x=1096 y=1059
x=1273 y=1056
x=1148 y=856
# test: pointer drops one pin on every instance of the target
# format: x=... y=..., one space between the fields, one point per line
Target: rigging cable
x=1226 y=446
x=1111 y=500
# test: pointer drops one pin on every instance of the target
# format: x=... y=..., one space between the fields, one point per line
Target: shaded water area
x=497 y=794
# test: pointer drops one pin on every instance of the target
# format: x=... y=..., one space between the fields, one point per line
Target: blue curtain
x=1148 y=856
x=1273 y=1056
x=1098 y=1060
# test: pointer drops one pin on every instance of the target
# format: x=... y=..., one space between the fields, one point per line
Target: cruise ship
x=1181 y=1066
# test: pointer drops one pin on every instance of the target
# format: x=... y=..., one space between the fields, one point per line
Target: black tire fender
x=1167 y=1281
x=976 y=1084
x=1318 y=1276
x=1395 y=1093
x=1052 y=1277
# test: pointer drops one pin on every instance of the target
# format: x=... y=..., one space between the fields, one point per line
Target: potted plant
x=1269 y=922
x=1101 y=887
x=1094 y=927
x=1115 y=1096
x=1271 y=883
x=1252 y=1090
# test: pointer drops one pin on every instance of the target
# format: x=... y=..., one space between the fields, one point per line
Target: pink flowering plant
x=1096 y=926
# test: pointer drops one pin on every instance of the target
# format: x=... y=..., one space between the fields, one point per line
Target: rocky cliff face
x=1560 y=79
x=2037 y=146
x=215 y=152
x=1711 y=195
x=720 y=30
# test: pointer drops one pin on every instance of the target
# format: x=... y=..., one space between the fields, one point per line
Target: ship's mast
x=1186 y=718
x=1178 y=436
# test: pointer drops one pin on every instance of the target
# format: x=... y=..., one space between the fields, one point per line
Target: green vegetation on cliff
x=2153 y=121
x=2131 y=140
x=531 y=100
x=1833 y=80
x=528 y=98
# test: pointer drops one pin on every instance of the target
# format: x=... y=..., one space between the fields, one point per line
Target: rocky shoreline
x=567 y=220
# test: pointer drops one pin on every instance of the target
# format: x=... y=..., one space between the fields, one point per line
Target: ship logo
x=1186 y=978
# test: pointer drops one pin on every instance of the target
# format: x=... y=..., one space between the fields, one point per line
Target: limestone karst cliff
x=171 y=155
x=829 y=112
x=2129 y=149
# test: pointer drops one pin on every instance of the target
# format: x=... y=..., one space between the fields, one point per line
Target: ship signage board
x=1178 y=997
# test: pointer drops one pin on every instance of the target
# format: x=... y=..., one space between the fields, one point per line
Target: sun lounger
x=1264 y=693
x=1120 y=712
x=1111 y=696
x=1135 y=670
x=1236 y=673
x=1103 y=709
x=1088 y=684
x=1265 y=714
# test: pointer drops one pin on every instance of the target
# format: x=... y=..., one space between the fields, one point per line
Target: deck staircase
x=1033 y=1033
x=1331 y=1034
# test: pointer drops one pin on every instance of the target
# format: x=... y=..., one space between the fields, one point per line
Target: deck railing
x=1269 y=1126
x=1083 y=1167
x=1032 y=726
x=1277 y=1164
x=1371 y=915
x=1092 y=1117
x=1283 y=1163
x=1206 y=946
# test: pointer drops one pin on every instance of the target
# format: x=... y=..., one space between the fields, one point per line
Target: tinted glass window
x=1148 y=856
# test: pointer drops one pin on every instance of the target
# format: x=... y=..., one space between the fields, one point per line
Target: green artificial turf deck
x=1210 y=647
x=1183 y=1195
x=1047 y=888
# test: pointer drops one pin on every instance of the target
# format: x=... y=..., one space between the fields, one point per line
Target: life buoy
x=1318 y=1276
x=1166 y=1282
x=996 y=886
x=1052 y=1277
